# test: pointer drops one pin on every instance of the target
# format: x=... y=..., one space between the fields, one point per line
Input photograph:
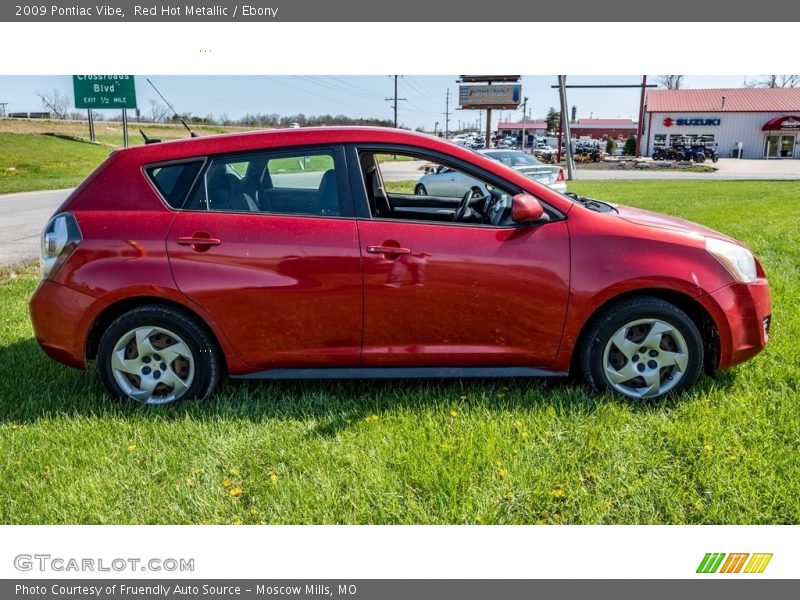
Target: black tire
x=700 y=157
x=715 y=158
x=604 y=326
x=202 y=373
x=420 y=190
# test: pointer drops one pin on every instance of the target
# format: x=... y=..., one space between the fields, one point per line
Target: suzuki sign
x=669 y=122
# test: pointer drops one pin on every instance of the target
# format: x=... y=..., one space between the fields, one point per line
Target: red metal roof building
x=744 y=122
x=603 y=128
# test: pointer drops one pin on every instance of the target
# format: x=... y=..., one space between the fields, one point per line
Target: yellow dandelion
x=559 y=494
x=503 y=472
x=15 y=427
x=132 y=448
x=510 y=495
x=591 y=475
x=453 y=413
x=227 y=483
x=581 y=478
x=235 y=491
x=18 y=463
x=237 y=522
x=732 y=458
x=199 y=471
x=253 y=511
x=497 y=463
x=708 y=447
x=518 y=424
x=478 y=519
x=273 y=478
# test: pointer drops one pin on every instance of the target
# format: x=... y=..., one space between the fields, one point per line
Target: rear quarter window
x=173 y=181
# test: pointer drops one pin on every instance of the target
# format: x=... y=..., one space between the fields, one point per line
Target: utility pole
x=447 y=114
x=394 y=105
x=3 y=108
x=524 y=112
x=640 y=125
x=562 y=83
x=435 y=127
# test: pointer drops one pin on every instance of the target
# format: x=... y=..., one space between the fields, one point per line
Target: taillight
x=560 y=175
x=59 y=239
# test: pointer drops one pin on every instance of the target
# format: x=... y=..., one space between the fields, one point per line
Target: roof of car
x=273 y=138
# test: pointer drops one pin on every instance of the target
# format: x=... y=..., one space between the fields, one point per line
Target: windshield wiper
x=592 y=204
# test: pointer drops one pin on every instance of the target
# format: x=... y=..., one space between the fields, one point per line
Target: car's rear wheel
x=157 y=354
x=420 y=190
x=642 y=348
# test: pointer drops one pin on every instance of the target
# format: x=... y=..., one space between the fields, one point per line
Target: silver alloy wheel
x=152 y=365
x=645 y=358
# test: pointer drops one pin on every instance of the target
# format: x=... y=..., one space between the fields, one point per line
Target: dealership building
x=739 y=122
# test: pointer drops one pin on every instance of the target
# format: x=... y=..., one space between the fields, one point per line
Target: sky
x=357 y=96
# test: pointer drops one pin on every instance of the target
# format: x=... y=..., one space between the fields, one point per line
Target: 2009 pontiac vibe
x=305 y=253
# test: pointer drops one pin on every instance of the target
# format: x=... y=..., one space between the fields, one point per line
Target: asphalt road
x=22 y=218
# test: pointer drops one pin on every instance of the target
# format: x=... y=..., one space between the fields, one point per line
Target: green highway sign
x=104 y=91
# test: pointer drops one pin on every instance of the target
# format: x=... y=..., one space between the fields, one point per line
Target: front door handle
x=199 y=242
x=387 y=250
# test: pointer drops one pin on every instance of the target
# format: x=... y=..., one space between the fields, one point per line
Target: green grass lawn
x=45 y=162
x=502 y=451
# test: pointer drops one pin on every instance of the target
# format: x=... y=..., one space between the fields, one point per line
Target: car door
x=283 y=280
x=451 y=294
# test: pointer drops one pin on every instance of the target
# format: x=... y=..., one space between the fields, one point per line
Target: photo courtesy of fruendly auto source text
x=299 y=274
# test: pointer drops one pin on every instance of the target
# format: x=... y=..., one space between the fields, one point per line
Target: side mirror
x=526 y=209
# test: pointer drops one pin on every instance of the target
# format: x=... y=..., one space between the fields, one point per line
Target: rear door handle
x=387 y=250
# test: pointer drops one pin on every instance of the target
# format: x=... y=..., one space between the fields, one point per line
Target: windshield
x=514 y=159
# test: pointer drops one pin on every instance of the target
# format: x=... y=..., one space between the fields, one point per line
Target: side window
x=173 y=181
x=280 y=182
x=416 y=187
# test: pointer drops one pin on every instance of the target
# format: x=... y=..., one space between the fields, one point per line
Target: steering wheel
x=463 y=206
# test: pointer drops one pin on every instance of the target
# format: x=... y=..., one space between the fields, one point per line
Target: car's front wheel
x=157 y=354
x=643 y=348
x=420 y=190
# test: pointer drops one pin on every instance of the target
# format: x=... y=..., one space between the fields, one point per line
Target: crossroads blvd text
x=242 y=11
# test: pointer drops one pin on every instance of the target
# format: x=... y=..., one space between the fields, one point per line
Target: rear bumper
x=61 y=318
x=742 y=313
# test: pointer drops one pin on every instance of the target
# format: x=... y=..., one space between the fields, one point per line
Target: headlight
x=59 y=239
x=739 y=261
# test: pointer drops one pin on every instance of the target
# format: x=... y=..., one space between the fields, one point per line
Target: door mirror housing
x=526 y=209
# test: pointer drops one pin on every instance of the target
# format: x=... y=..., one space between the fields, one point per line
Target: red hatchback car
x=304 y=253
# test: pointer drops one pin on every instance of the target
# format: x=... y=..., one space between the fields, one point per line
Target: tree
x=779 y=81
x=611 y=146
x=671 y=82
x=552 y=119
x=56 y=102
x=158 y=112
x=630 y=146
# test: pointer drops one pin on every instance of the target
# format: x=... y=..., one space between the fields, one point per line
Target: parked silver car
x=444 y=181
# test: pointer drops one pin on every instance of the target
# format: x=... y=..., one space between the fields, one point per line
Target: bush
x=611 y=146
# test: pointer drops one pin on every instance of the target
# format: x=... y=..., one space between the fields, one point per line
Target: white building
x=748 y=122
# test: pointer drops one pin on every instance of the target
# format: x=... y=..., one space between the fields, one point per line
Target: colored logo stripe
x=733 y=564
x=758 y=563
x=710 y=562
